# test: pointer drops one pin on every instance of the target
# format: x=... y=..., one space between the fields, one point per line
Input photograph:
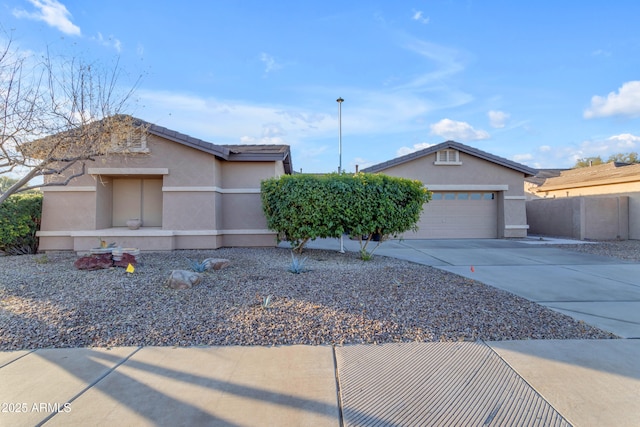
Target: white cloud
x=522 y=157
x=361 y=162
x=109 y=42
x=625 y=141
x=626 y=102
x=53 y=13
x=601 y=52
x=447 y=62
x=544 y=148
x=269 y=62
x=272 y=133
x=454 y=130
x=497 y=119
x=402 y=151
x=419 y=16
x=233 y=122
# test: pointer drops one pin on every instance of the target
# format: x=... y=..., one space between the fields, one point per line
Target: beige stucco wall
x=246 y=174
x=202 y=199
x=585 y=218
x=627 y=189
x=474 y=174
x=634 y=215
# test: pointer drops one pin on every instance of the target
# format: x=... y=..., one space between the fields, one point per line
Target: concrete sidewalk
x=582 y=382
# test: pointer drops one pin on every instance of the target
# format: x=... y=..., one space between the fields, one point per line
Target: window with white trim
x=448 y=157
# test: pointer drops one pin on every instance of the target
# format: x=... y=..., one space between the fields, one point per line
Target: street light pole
x=340 y=101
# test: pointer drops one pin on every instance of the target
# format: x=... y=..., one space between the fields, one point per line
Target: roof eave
x=594 y=183
x=284 y=157
x=527 y=171
x=198 y=144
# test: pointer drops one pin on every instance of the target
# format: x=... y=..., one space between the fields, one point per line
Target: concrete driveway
x=601 y=291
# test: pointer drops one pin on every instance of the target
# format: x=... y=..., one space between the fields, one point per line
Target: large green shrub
x=304 y=207
x=19 y=220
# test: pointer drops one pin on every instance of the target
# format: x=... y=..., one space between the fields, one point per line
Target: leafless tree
x=56 y=113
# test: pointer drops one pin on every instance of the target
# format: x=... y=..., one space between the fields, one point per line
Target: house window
x=448 y=157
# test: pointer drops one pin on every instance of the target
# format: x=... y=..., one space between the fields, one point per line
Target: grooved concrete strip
x=436 y=384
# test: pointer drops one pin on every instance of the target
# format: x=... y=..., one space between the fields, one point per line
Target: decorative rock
x=216 y=263
x=183 y=279
x=125 y=260
x=94 y=262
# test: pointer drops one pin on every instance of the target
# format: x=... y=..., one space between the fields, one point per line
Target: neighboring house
x=475 y=194
x=188 y=193
x=532 y=183
x=595 y=202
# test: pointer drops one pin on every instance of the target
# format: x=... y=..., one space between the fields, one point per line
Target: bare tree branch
x=55 y=113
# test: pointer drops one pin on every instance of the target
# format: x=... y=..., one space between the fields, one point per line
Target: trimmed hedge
x=19 y=220
x=304 y=207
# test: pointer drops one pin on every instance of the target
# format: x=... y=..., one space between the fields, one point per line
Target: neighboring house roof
x=543 y=175
x=238 y=153
x=607 y=173
x=455 y=146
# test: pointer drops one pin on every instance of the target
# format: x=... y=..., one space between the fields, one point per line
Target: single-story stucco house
x=475 y=194
x=596 y=202
x=188 y=194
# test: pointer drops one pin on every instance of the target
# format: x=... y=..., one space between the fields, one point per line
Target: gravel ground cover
x=339 y=299
x=623 y=249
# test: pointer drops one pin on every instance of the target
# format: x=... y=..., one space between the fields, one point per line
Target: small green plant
x=266 y=302
x=365 y=255
x=105 y=245
x=198 y=267
x=42 y=259
x=19 y=222
x=297 y=264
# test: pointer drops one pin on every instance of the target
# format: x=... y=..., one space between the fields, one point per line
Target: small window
x=448 y=157
x=476 y=196
x=488 y=196
x=449 y=196
x=463 y=196
x=436 y=196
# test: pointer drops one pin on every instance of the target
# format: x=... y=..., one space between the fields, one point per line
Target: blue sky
x=539 y=82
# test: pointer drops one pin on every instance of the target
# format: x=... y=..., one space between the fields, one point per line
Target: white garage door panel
x=459 y=215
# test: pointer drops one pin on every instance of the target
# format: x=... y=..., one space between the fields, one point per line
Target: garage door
x=455 y=215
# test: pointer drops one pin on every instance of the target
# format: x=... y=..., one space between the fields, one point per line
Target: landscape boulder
x=216 y=263
x=183 y=279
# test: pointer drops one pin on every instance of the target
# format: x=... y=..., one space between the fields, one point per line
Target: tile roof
x=607 y=173
x=456 y=146
x=249 y=153
x=543 y=175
